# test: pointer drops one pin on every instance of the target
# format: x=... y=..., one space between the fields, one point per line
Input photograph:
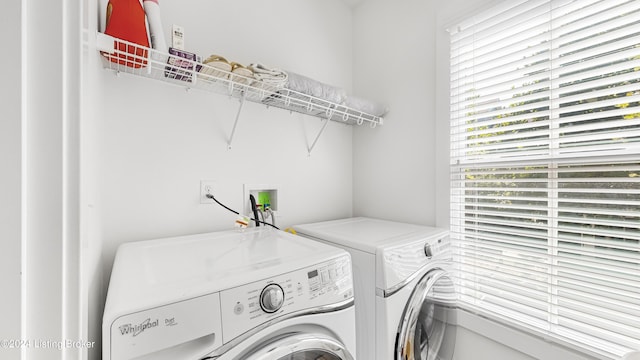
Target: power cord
x=210 y=196
x=254 y=208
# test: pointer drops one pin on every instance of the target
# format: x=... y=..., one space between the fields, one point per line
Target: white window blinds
x=545 y=168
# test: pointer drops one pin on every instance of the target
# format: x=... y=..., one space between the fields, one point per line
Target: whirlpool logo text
x=137 y=329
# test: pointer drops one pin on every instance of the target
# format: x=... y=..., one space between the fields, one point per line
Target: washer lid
x=155 y=272
x=399 y=248
x=366 y=234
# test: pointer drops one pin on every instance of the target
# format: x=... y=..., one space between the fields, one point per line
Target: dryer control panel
x=438 y=247
x=249 y=306
x=399 y=263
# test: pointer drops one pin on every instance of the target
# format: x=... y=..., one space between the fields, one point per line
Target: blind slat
x=545 y=168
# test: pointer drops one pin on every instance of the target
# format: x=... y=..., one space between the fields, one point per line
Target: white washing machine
x=260 y=294
x=405 y=297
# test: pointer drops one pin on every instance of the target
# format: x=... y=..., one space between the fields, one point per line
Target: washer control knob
x=428 y=250
x=271 y=298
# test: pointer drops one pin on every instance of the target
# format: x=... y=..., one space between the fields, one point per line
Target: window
x=545 y=169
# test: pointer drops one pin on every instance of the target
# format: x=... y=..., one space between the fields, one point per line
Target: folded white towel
x=270 y=76
x=315 y=88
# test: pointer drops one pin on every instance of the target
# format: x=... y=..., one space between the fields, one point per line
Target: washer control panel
x=247 y=306
x=271 y=298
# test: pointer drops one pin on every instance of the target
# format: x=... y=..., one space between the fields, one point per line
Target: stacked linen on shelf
x=285 y=82
x=308 y=86
x=368 y=106
x=216 y=67
x=270 y=78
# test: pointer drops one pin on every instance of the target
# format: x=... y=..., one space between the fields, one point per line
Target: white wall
x=10 y=181
x=148 y=144
x=394 y=62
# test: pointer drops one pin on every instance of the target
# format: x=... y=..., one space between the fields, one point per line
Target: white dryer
x=260 y=294
x=405 y=296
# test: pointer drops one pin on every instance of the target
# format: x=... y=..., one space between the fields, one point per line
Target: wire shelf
x=186 y=70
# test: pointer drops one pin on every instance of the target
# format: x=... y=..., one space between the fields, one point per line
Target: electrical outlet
x=206 y=187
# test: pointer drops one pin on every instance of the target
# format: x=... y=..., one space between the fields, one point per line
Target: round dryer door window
x=427 y=330
x=302 y=347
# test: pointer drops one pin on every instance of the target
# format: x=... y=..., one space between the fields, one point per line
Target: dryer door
x=302 y=347
x=427 y=330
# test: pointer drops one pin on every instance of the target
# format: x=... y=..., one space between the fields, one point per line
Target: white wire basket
x=186 y=69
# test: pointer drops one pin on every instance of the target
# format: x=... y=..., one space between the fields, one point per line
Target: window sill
x=520 y=339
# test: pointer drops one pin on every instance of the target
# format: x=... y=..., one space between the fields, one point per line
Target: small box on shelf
x=181 y=65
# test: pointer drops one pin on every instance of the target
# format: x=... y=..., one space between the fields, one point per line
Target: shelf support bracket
x=235 y=123
x=315 y=141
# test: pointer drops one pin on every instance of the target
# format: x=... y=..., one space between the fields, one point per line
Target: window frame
x=552 y=185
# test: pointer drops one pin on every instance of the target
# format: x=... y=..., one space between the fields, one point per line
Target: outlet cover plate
x=207 y=186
